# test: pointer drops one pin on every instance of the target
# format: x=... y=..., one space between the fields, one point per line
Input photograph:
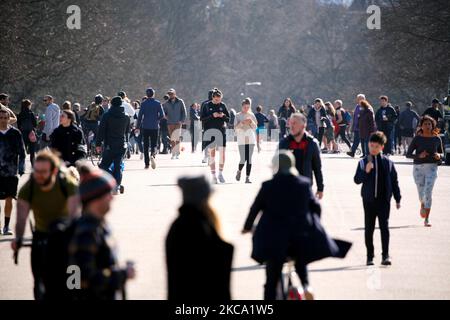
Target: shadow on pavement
x=394 y=227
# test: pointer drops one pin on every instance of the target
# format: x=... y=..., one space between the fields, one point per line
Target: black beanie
x=116 y=101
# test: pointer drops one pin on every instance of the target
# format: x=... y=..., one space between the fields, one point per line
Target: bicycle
x=289 y=287
x=92 y=154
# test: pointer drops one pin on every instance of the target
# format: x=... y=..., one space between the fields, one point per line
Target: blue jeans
x=115 y=156
x=356 y=141
x=425 y=176
x=365 y=146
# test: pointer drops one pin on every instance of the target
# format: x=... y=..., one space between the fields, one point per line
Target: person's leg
x=153 y=141
x=273 y=276
x=369 y=227
x=145 y=137
x=430 y=179
x=192 y=132
x=419 y=180
x=37 y=266
x=388 y=147
x=241 y=157
x=107 y=160
x=383 y=223
x=343 y=135
x=8 y=211
x=139 y=143
x=221 y=159
x=251 y=149
x=356 y=141
x=171 y=129
x=32 y=151
x=302 y=271
x=212 y=159
x=117 y=173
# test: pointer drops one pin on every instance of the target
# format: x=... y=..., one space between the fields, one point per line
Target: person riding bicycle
x=91 y=118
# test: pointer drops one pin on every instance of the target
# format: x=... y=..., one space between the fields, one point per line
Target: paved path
x=141 y=217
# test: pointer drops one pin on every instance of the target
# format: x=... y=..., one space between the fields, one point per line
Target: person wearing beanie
x=150 y=115
x=90 y=249
x=198 y=259
x=112 y=139
x=289 y=229
x=434 y=111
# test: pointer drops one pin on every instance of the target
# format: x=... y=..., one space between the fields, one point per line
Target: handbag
x=32 y=136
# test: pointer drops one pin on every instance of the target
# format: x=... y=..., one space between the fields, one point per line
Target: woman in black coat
x=289 y=226
x=198 y=260
x=68 y=139
x=26 y=122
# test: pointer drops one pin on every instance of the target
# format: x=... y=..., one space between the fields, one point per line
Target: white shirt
x=129 y=111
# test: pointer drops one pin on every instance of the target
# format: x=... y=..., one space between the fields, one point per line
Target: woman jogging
x=426 y=150
x=245 y=124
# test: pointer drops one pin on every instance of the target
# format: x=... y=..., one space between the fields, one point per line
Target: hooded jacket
x=114 y=128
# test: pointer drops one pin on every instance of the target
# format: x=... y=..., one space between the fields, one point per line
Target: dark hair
x=25 y=104
x=384 y=98
x=378 y=137
x=246 y=101
x=67 y=105
x=3 y=96
x=71 y=115
x=291 y=104
x=166 y=97
x=217 y=93
x=434 y=131
x=259 y=109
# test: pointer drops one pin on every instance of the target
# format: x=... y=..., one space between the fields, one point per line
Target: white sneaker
x=153 y=162
x=221 y=178
x=214 y=180
x=141 y=156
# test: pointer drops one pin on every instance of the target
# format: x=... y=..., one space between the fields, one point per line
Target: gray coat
x=175 y=111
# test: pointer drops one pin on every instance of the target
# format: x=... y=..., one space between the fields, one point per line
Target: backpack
x=57 y=260
x=346 y=116
x=93 y=114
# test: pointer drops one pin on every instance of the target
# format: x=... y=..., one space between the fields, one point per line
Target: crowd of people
x=65 y=193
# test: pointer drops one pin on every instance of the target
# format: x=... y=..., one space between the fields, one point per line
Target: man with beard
x=52 y=195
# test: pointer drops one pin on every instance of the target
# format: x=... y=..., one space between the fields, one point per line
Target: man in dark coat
x=289 y=229
x=198 y=260
x=306 y=151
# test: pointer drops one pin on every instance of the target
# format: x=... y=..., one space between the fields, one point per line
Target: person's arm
x=314 y=205
x=23 y=210
x=140 y=116
x=83 y=253
x=394 y=182
x=411 y=148
x=183 y=111
x=254 y=122
x=317 y=166
x=257 y=206
x=12 y=116
x=339 y=117
x=226 y=116
x=361 y=174
x=22 y=156
x=161 y=113
x=73 y=206
x=127 y=130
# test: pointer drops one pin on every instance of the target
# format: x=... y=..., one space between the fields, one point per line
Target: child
x=378 y=177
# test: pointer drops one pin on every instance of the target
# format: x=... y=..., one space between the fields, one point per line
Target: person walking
x=355 y=125
x=306 y=151
x=113 y=133
x=318 y=115
x=366 y=124
x=284 y=114
x=342 y=122
x=91 y=247
x=195 y=125
x=434 y=111
x=68 y=139
x=12 y=162
x=427 y=151
x=52 y=194
x=198 y=259
x=385 y=119
x=27 y=124
x=288 y=230
x=262 y=119
x=330 y=142
x=151 y=112
x=273 y=124
x=91 y=118
x=4 y=101
x=175 y=111
x=245 y=124
x=215 y=116
x=379 y=181
x=408 y=121
x=51 y=120
x=204 y=143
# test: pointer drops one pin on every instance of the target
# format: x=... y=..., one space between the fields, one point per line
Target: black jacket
x=209 y=122
x=114 y=128
x=291 y=227
x=307 y=161
x=368 y=180
x=391 y=115
x=69 y=141
x=26 y=122
x=198 y=260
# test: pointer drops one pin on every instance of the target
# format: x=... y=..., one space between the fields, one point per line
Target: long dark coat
x=198 y=260
x=290 y=223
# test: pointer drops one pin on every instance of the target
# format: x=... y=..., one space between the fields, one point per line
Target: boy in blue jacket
x=379 y=181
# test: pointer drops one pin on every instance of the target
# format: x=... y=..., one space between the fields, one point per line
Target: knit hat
x=116 y=101
x=195 y=189
x=284 y=162
x=94 y=183
x=435 y=101
x=98 y=99
x=122 y=94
